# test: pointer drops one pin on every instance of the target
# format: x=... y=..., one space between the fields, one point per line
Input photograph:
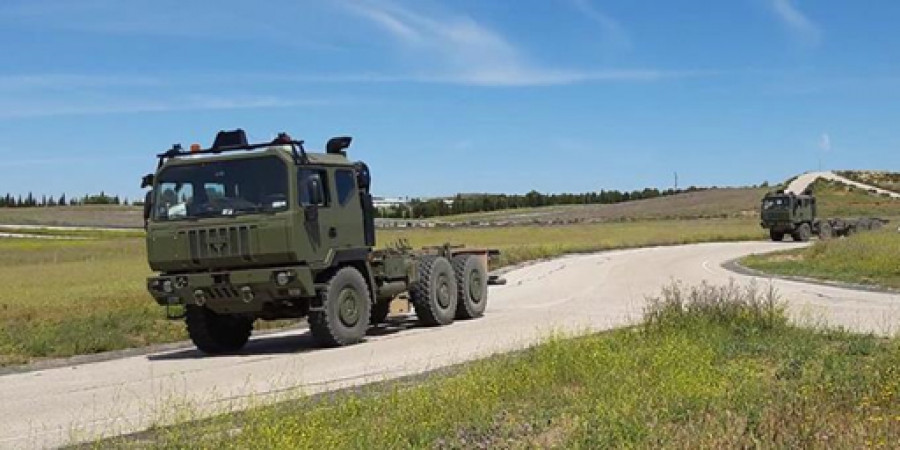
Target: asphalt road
x=572 y=294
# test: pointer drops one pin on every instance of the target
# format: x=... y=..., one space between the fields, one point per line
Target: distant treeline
x=30 y=200
x=473 y=203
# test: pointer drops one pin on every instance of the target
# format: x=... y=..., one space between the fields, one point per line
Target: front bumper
x=234 y=291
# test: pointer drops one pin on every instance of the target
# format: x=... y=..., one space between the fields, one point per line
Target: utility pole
x=676 y=180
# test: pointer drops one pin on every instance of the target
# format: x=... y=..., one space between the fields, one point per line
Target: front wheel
x=802 y=234
x=776 y=236
x=216 y=334
x=344 y=316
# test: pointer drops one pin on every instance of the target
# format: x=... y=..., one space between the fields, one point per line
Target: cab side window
x=306 y=179
x=345 y=182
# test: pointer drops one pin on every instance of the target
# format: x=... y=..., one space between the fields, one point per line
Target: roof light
x=195 y=148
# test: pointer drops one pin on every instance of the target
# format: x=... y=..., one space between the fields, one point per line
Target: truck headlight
x=284 y=277
x=168 y=287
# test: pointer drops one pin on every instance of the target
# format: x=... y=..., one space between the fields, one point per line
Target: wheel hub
x=443 y=293
x=348 y=307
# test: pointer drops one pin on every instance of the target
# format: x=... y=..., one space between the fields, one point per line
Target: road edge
x=735 y=266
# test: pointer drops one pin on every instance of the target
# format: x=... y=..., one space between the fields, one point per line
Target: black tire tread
x=420 y=292
x=216 y=334
x=465 y=310
x=322 y=326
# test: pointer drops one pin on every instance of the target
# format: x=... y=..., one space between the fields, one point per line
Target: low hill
x=838 y=200
x=711 y=203
x=878 y=178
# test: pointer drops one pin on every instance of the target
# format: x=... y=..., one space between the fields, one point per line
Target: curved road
x=799 y=184
x=570 y=294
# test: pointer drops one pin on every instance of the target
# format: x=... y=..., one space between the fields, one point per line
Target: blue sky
x=443 y=97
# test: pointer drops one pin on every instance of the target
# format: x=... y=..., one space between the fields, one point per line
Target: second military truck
x=789 y=214
x=240 y=232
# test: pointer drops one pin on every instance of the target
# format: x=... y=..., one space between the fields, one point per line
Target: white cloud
x=452 y=48
x=801 y=26
x=611 y=28
x=71 y=81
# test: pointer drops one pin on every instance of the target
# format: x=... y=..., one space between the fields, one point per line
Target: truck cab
x=787 y=213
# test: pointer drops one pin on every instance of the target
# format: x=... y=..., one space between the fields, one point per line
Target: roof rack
x=235 y=140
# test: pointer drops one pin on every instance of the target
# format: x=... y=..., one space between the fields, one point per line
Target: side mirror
x=147 y=180
x=314 y=190
x=314 y=187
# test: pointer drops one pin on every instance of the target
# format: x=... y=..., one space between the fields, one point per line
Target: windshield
x=777 y=203
x=221 y=188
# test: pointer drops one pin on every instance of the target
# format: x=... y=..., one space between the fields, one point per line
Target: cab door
x=315 y=196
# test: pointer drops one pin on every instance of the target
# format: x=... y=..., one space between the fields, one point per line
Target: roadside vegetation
x=71 y=297
x=864 y=258
x=711 y=367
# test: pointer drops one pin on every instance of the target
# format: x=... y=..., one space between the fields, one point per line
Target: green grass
x=713 y=367
x=865 y=258
x=64 y=298
x=836 y=200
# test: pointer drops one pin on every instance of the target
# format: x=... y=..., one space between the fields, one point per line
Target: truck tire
x=434 y=295
x=471 y=286
x=776 y=236
x=802 y=234
x=216 y=334
x=380 y=311
x=346 y=309
x=825 y=231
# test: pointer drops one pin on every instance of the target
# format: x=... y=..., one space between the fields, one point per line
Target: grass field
x=865 y=258
x=716 y=368
x=65 y=298
x=836 y=200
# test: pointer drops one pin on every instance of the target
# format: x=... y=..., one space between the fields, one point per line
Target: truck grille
x=222 y=292
x=222 y=242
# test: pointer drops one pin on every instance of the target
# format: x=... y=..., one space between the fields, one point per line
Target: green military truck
x=786 y=213
x=240 y=232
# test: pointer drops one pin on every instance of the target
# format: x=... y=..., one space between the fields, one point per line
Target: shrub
x=731 y=304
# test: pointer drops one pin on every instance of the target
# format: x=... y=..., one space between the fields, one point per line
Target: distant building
x=389 y=202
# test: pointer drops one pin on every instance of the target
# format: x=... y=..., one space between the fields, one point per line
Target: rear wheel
x=471 y=286
x=217 y=333
x=825 y=231
x=346 y=309
x=776 y=236
x=434 y=295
